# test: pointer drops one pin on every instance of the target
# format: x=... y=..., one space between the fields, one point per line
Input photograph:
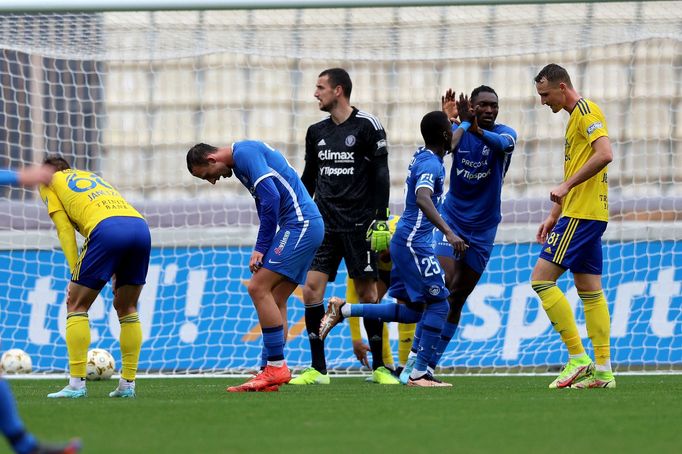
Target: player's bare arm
x=548 y=224
x=360 y=350
x=309 y=176
x=35 y=175
x=448 y=104
x=601 y=157
x=427 y=207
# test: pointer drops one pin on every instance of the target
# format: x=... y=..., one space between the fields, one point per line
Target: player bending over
x=281 y=258
x=416 y=276
x=117 y=246
x=22 y=441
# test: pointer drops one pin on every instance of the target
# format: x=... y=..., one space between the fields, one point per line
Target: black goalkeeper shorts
x=353 y=248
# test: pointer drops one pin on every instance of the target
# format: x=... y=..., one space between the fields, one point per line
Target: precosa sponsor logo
x=336 y=171
x=282 y=243
x=336 y=156
x=473 y=164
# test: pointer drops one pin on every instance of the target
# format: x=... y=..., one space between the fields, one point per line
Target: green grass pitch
x=505 y=414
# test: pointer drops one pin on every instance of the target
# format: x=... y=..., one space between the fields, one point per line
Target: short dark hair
x=432 y=126
x=482 y=89
x=196 y=156
x=554 y=74
x=57 y=161
x=339 y=76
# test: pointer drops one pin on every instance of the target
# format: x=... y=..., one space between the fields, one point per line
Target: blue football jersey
x=474 y=197
x=255 y=161
x=425 y=171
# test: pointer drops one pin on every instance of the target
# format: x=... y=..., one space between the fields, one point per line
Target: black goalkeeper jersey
x=344 y=156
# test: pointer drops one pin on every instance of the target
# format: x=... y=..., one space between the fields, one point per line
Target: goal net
x=125 y=94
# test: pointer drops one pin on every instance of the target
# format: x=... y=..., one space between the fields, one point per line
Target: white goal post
x=125 y=89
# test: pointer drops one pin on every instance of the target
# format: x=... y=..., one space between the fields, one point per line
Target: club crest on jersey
x=434 y=290
x=486 y=150
x=350 y=140
x=283 y=242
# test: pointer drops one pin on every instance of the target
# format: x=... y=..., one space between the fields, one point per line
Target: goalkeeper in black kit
x=346 y=170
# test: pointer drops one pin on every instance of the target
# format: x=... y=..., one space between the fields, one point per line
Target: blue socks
x=432 y=325
x=11 y=425
x=273 y=343
x=445 y=337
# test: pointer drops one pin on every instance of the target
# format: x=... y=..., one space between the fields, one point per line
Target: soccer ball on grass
x=100 y=365
x=15 y=361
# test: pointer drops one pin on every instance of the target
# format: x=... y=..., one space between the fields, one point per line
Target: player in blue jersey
x=416 y=276
x=481 y=153
x=291 y=229
x=11 y=425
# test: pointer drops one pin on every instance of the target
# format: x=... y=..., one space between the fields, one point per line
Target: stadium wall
x=197 y=316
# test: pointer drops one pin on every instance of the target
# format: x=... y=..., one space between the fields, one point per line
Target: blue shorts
x=480 y=245
x=416 y=275
x=575 y=244
x=118 y=245
x=293 y=249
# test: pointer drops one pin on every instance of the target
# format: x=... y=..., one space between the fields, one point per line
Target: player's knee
x=256 y=291
x=124 y=308
x=312 y=294
x=76 y=303
x=439 y=309
x=366 y=290
x=435 y=313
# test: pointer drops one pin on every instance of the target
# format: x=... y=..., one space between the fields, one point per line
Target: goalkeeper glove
x=378 y=235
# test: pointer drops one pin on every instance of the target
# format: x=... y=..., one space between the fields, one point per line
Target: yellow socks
x=386 y=352
x=405 y=338
x=131 y=343
x=77 y=342
x=560 y=314
x=598 y=326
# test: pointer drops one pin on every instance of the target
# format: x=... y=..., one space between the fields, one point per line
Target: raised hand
x=448 y=104
x=466 y=112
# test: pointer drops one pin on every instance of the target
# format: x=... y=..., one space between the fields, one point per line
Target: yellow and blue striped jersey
x=85 y=198
x=588 y=200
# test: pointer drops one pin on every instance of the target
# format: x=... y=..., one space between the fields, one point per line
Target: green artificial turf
x=501 y=414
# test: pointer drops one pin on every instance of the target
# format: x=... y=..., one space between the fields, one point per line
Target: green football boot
x=310 y=376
